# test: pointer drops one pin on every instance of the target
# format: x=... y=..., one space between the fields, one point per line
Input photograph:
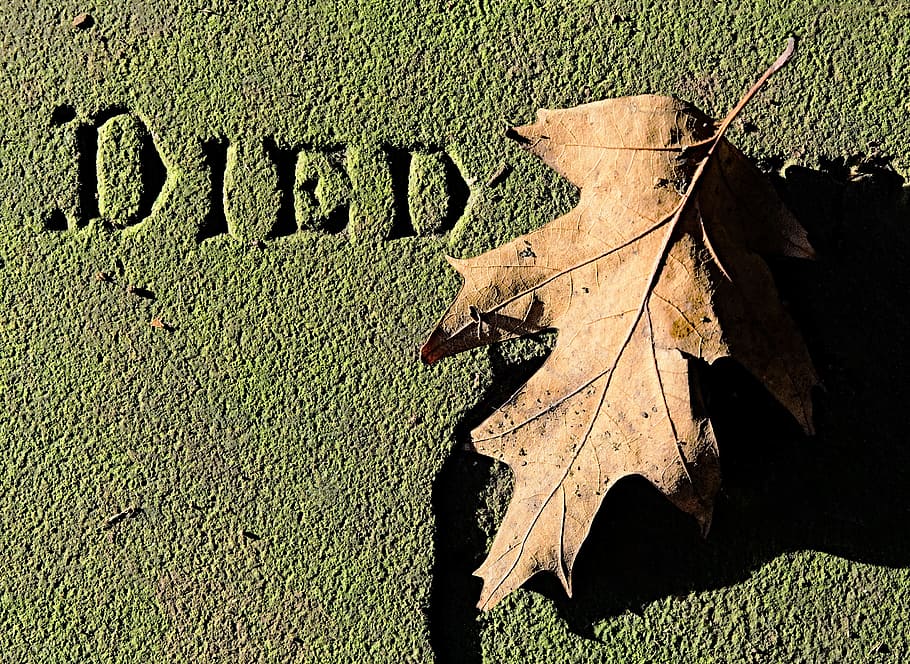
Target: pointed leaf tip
x=430 y=351
x=527 y=136
x=457 y=264
x=517 y=134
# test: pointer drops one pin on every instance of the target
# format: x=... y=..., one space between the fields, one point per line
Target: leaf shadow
x=458 y=500
x=844 y=491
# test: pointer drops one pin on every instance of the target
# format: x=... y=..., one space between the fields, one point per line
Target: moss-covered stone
x=428 y=192
x=284 y=443
x=321 y=188
x=373 y=206
x=120 y=185
x=251 y=196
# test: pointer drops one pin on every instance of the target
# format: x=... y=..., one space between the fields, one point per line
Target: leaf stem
x=782 y=59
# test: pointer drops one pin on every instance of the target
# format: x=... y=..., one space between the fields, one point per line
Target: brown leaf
x=657 y=266
x=161 y=325
x=83 y=21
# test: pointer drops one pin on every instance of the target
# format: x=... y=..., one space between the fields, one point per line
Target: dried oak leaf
x=655 y=268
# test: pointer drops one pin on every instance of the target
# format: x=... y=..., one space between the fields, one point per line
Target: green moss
x=321 y=188
x=288 y=403
x=120 y=186
x=428 y=195
x=372 y=209
x=251 y=196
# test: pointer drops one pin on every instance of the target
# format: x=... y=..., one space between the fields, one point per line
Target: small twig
x=128 y=513
x=501 y=173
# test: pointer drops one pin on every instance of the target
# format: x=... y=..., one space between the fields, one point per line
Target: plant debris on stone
x=657 y=267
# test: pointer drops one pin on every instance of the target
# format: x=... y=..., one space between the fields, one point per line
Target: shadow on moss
x=845 y=491
x=460 y=502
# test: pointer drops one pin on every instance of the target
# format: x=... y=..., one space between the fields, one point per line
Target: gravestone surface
x=222 y=240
